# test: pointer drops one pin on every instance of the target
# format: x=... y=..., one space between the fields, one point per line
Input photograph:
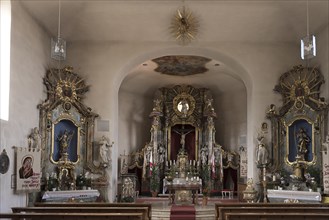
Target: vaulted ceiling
x=261 y=21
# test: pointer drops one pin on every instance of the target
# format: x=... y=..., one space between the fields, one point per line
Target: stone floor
x=161 y=209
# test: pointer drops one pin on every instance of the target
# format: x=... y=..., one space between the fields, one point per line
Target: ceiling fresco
x=181 y=65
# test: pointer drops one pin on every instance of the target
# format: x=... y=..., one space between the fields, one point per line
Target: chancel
x=163 y=109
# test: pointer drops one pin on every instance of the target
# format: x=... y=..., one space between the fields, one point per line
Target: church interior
x=125 y=108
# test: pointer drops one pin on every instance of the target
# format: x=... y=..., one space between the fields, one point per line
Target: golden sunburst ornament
x=184 y=26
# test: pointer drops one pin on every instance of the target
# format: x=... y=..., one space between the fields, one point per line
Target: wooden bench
x=272 y=210
x=143 y=210
x=96 y=204
x=222 y=208
x=73 y=216
x=276 y=216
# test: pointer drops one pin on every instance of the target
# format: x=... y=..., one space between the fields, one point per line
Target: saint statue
x=302 y=142
x=34 y=139
x=262 y=154
x=161 y=153
x=64 y=141
x=204 y=155
x=104 y=151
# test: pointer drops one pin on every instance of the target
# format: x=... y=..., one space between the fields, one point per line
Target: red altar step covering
x=180 y=212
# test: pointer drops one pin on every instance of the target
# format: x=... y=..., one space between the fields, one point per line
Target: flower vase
x=154 y=194
x=204 y=201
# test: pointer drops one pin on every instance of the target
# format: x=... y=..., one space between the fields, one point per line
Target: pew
x=95 y=204
x=143 y=210
x=73 y=216
x=276 y=216
x=223 y=208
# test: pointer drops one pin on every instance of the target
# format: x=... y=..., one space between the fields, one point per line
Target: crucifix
x=183 y=132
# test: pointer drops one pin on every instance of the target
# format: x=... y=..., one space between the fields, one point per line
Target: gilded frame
x=53 y=138
x=287 y=127
x=187 y=98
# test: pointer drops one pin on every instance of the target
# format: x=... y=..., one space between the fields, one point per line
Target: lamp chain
x=307 y=20
x=59 y=19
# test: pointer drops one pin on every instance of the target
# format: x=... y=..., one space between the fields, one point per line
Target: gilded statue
x=302 y=142
x=64 y=141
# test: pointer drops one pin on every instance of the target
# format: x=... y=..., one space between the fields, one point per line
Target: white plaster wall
x=322 y=61
x=231 y=123
x=29 y=59
x=134 y=121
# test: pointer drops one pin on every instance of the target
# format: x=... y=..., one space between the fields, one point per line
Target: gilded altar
x=298 y=129
x=182 y=140
x=68 y=146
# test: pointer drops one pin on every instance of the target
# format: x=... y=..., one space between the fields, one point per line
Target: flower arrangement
x=154 y=178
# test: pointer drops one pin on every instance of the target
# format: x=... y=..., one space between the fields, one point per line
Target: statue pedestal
x=301 y=196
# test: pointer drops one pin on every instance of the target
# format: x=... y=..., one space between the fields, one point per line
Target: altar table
x=64 y=196
x=172 y=188
x=302 y=196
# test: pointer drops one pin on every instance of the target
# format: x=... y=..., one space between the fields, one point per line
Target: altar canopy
x=182 y=121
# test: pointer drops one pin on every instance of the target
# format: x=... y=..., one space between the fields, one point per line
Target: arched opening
x=141 y=81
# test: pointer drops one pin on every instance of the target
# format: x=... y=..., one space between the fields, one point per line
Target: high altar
x=182 y=147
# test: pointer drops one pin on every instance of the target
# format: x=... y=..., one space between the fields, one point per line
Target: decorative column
x=156 y=133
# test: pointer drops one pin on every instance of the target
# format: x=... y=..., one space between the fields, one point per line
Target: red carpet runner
x=182 y=212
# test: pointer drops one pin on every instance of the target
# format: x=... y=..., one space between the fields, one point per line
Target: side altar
x=298 y=147
x=74 y=163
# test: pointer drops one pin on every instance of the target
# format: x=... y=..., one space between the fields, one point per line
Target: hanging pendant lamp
x=308 y=43
x=58 y=45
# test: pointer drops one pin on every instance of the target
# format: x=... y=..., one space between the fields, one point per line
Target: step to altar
x=162 y=212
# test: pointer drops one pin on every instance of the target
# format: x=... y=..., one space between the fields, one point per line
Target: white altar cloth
x=64 y=196
x=302 y=196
